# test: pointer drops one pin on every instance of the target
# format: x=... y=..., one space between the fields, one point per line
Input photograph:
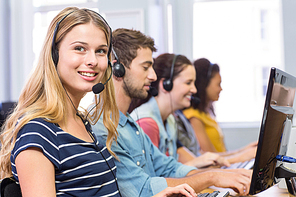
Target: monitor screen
x=275 y=127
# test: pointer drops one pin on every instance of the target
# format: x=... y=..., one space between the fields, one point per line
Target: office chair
x=9 y=188
x=5 y=109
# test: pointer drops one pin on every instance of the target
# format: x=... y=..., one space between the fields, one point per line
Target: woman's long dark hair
x=162 y=66
x=205 y=71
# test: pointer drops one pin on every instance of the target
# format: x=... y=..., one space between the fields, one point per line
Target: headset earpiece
x=54 y=50
x=118 y=68
x=55 y=56
x=168 y=83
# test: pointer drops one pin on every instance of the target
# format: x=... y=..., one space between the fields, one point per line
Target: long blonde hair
x=43 y=95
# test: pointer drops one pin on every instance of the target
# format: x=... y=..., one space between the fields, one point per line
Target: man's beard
x=134 y=92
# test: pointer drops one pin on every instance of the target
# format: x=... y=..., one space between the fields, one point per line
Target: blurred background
x=244 y=37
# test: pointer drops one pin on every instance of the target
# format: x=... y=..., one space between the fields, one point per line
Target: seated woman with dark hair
x=202 y=114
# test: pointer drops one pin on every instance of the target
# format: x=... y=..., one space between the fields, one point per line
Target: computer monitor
x=275 y=129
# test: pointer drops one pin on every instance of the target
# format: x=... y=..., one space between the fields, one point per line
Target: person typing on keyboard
x=202 y=117
x=142 y=170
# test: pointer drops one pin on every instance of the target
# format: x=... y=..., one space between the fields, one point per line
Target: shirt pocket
x=139 y=160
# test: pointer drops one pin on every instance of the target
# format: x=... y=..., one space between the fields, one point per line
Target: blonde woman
x=46 y=146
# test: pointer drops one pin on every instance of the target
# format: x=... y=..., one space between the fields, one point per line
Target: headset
x=210 y=69
x=55 y=52
x=168 y=83
x=118 y=68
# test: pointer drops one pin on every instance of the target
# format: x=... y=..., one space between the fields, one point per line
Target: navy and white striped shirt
x=80 y=168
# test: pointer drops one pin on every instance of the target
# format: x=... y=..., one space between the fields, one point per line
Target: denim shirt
x=141 y=167
x=167 y=131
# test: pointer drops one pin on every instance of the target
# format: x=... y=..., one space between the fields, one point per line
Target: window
x=39 y=3
x=170 y=28
x=45 y=11
x=244 y=39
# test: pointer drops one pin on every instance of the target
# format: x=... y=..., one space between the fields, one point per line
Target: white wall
x=237 y=136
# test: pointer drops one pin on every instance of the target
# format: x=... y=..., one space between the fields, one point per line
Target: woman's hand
x=248 y=152
x=208 y=159
x=250 y=146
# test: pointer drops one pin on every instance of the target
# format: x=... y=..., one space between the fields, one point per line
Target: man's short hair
x=126 y=42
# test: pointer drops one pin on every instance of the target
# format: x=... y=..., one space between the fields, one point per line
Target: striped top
x=80 y=167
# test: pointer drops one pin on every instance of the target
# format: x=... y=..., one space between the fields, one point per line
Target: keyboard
x=215 y=194
x=246 y=165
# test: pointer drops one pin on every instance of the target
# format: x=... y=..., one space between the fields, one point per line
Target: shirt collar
x=122 y=119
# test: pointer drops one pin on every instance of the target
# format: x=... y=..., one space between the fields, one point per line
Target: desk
x=273 y=191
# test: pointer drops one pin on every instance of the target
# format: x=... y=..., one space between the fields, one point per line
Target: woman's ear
x=113 y=61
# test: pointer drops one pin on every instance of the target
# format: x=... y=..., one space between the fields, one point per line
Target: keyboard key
x=203 y=195
x=215 y=194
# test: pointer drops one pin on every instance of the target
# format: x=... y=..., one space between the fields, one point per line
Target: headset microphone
x=195 y=100
x=99 y=87
x=152 y=91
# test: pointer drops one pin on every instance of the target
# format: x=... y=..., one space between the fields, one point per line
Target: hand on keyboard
x=246 y=165
x=208 y=159
x=183 y=190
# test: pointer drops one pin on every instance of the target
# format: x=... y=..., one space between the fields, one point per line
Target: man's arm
x=132 y=179
x=205 y=160
x=238 y=180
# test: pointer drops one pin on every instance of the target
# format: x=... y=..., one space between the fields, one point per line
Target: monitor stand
x=291 y=151
x=290 y=177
